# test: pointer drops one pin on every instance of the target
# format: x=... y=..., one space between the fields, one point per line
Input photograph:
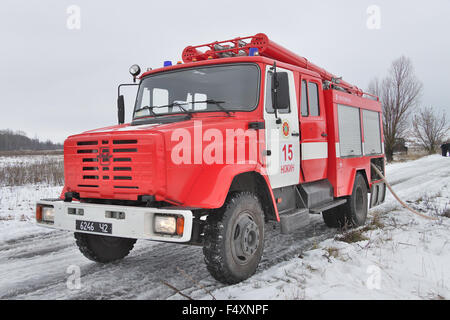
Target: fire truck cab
x=241 y=132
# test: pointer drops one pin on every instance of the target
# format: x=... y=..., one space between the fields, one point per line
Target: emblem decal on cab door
x=285 y=129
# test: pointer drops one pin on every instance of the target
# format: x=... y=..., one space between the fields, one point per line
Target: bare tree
x=399 y=93
x=429 y=128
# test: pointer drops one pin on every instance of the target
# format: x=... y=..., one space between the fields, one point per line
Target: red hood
x=128 y=127
x=125 y=162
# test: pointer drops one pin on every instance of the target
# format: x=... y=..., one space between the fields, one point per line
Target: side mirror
x=121 y=109
x=280 y=91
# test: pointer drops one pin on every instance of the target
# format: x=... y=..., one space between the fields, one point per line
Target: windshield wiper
x=217 y=103
x=189 y=113
x=149 y=109
x=171 y=105
x=179 y=105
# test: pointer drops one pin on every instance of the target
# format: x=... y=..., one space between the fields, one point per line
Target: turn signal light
x=38 y=213
x=180 y=226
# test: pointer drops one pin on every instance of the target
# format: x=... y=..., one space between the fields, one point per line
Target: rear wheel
x=354 y=212
x=356 y=206
x=234 y=238
x=103 y=249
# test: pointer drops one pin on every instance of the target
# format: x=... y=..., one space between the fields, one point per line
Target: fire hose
x=397 y=197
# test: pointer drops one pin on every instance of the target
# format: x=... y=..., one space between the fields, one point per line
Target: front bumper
x=134 y=222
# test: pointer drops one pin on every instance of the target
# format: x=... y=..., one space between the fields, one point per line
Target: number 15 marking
x=287 y=152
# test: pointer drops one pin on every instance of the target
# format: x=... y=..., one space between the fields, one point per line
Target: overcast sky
x=56 y=81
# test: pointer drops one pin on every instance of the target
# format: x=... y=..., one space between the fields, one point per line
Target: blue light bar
x=167 y=63
x=253 y=52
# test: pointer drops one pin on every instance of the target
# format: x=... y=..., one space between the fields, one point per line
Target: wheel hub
x=246 y=239
x=250 y=239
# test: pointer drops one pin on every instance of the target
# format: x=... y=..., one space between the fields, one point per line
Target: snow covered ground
x=400 y=256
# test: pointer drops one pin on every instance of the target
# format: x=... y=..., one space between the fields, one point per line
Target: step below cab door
x=313 y=130
x=282 y=135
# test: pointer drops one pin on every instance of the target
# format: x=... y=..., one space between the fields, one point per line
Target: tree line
x=404 y=117
x=18 y=140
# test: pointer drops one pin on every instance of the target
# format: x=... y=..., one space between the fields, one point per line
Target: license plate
x=91 y=226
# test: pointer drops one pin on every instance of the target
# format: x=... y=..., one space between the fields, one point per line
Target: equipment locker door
x=282 y=138
x=313 y=131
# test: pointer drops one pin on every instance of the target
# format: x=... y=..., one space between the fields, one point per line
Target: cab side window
x=313 y=93
x=309 y=103
x=304 y=101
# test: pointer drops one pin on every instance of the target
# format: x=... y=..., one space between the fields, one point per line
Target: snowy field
x=397 y=256
x=31 y=170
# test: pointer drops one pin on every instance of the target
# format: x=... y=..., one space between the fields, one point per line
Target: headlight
x=48 y=214
x=165 y=224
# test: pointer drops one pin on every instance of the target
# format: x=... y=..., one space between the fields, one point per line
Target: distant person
x=445 y=149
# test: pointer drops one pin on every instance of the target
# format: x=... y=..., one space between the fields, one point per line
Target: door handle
x=295 y=134
x=324 y=134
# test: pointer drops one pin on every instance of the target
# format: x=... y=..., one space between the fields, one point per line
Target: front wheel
x=103 y=249
x=234 y=238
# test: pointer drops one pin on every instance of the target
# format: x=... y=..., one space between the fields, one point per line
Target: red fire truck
x=239 y=133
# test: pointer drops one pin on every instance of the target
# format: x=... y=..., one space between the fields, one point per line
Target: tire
x=355 y=208
x=234 y=238
x=354 y=212
x=103 y=249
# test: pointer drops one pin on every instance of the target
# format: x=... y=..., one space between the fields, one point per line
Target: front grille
x=87 y=143
x=122 y=178
x=124 y=141
x=122 y=168
x=90 y=177
x=125 y=150
x=87 y=151
x=89 y=168
x=117 y=155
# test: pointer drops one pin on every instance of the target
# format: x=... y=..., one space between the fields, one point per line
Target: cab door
x=282 y=135
x=313 y=130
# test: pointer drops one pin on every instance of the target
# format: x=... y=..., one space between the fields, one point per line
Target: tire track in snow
x=139 y=275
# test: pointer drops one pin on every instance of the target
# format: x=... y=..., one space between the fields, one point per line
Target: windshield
x=216 y=88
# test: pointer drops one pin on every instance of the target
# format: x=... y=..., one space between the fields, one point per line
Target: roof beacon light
x=253 y=52
x=167 y=63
